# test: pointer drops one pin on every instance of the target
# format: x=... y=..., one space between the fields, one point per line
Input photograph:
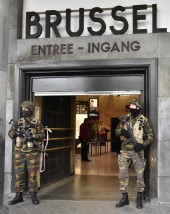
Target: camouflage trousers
x=124 y=161
x=30 y=162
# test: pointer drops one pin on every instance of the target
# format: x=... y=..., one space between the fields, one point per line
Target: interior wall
x=109 y=106
x=38 y=107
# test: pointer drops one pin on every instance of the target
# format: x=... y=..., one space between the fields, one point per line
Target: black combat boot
x=139 y=203
x=18 y=199
x=34 y=198
x=124 y=201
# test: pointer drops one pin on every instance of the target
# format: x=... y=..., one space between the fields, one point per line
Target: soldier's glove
x=18 y=134
x=139 y=147
x=30 y=138
x=125 y=133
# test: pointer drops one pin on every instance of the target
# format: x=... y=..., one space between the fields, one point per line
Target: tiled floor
x=95 y=180
x=104 y=164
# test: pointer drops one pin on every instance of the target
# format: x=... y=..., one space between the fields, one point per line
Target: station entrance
x=64 y=115
x=94 y=180
x=55 y=91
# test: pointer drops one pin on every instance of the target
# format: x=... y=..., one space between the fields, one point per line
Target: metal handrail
x=59 y=148
x=61 y=138
x=58 y=139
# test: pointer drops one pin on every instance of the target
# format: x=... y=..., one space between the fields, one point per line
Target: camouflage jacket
x=142 y=130
x=33 y=127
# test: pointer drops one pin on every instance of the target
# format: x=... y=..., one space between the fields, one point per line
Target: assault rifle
x=132 y=138
x=130 y=131
x=26 y=134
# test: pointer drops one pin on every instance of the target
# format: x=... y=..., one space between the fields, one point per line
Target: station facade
x=34 y=64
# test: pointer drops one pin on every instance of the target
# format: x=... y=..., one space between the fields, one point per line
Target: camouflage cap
x=28 y=104
x=136 y=102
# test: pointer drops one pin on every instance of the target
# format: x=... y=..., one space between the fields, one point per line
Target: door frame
x=22 y=91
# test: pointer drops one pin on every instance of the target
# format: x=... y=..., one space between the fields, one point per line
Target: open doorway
x=59 y=113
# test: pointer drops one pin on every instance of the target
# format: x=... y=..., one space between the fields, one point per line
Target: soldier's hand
x=125 y=133
x=18 y=134
x=30 y=138
x=139 y=147
x=122 y=138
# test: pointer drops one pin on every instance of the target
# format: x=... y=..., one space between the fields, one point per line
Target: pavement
x=85 y=207
x=66 y=197
x=86 y=194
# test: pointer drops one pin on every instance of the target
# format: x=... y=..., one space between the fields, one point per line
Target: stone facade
x=152 y=46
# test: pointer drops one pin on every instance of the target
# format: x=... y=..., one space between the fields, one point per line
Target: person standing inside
x=143 y=134
x=28 y=134
x=85 y=135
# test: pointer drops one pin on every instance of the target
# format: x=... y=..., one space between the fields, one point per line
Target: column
x=4 y=31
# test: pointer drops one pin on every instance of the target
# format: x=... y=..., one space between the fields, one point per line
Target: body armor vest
x=137 y=127
x=31 y=126
x=138 y=131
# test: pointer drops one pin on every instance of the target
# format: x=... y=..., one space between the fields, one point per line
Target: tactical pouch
x=30 y=144
x=18 y=142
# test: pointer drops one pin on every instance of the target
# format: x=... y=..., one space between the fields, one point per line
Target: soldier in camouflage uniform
x=26 y=152
x=143 y=134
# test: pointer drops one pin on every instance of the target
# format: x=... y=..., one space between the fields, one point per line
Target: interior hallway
x=95 y=180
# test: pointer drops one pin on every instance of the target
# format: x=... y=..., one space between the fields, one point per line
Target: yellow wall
x=109 y=106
